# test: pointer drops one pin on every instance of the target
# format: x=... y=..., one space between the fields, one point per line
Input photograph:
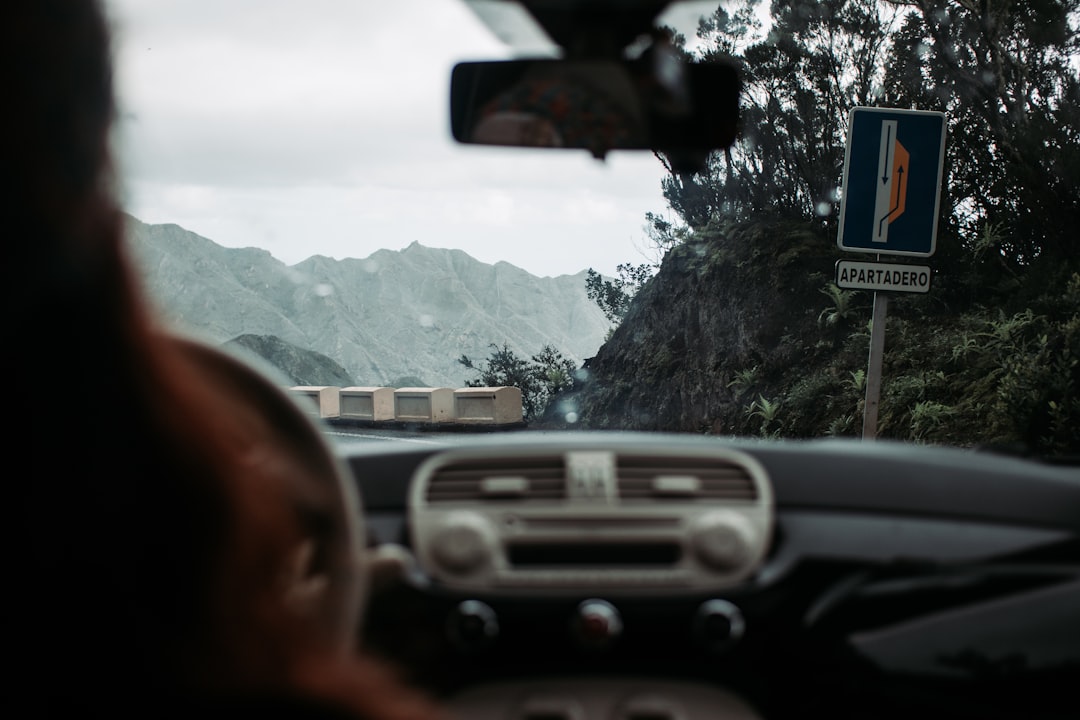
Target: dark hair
x=155 y=548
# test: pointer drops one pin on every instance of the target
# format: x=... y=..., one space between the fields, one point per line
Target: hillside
x=741 y=332
x=299 y=366
x=396 y=313
x=739 y=303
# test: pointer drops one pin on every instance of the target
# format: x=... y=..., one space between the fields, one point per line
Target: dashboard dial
x=463 y=544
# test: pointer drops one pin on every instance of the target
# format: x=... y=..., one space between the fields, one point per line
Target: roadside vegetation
x=742 y=331
x=539 y=378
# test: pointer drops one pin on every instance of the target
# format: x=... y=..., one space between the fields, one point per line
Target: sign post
x=892 y=190
x=873 y=368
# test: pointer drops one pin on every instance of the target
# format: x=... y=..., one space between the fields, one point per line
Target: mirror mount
x=595 y=29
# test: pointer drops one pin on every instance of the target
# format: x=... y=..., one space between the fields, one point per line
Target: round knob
x=463 y=544
x=718 y=625
x=472 y=625
x=722 y=540
x=597 y=624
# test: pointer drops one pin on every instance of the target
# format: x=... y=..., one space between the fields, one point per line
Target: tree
x=613 y=296
x=540 y=378
x=816 y=61
x=1004 y=73
x=991 y=356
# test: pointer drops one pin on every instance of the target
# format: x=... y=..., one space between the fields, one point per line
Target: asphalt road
x=350 y=437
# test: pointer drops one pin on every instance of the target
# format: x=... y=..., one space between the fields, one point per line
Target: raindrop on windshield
x=823 y=209
x=581 y=374
x=427 y=321
x=324 y=290
x=370 y=266
x=571 y=417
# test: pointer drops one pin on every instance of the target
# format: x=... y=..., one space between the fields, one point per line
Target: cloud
x=321 y=128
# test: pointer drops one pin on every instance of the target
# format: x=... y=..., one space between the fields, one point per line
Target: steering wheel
x=329 y=565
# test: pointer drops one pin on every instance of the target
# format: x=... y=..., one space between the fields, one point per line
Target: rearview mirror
x=597 y=105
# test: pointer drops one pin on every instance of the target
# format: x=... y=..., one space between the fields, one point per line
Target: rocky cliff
x=742 y=332
x=730 y=317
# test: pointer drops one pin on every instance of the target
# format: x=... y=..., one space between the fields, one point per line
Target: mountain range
x=395 y=314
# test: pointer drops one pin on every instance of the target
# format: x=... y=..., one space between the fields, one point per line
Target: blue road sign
x=892 y=181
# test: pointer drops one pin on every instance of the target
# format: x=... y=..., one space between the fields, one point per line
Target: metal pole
x=873 y=371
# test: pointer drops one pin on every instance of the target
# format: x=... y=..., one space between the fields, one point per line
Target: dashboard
x=548 y=576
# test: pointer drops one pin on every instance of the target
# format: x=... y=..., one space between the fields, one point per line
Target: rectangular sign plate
x=892 y=181
x=891 y=277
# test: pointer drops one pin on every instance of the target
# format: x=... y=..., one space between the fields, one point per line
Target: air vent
x=683 y=478
x=502 y=479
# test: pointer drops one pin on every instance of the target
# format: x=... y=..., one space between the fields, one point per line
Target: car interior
x=543 y=575
x=535 y=575
x=576 y=576
x=643 y=576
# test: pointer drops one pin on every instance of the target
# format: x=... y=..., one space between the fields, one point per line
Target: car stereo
x=647 y=521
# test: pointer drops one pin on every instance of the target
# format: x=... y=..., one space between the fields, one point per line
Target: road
x=346 y=437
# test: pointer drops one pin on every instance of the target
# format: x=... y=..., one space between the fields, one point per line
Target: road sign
x=892 y=181
x=890 y=277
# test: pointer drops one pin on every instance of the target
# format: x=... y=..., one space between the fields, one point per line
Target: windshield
x=294 y=189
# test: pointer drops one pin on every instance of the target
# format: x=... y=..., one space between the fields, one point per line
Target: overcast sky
x=320 y=127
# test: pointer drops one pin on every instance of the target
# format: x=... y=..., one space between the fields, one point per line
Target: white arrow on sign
x=891 y=196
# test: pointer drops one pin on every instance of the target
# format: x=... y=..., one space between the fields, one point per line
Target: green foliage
x=540 y=378
x=1005 y=76
x=663 y=234
x=744 y=380
x=837 y=316
x=988 y=241
x=613 y=296
x=983 y=376
x=992 y=354
x=857 y=380
x=1038 y=387
x=554 y=372
x=959 y=374
x=794 y=104
x=928 y=416
x=767 y=411
x=841 y=425
x=1003 y=73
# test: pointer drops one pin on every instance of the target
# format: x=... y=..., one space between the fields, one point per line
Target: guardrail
x=476 y=407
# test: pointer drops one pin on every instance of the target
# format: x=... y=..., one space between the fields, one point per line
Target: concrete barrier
x=444 y=407
x=373 y=404
x=488 y=405
x=424 y=405
x=325 y=400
